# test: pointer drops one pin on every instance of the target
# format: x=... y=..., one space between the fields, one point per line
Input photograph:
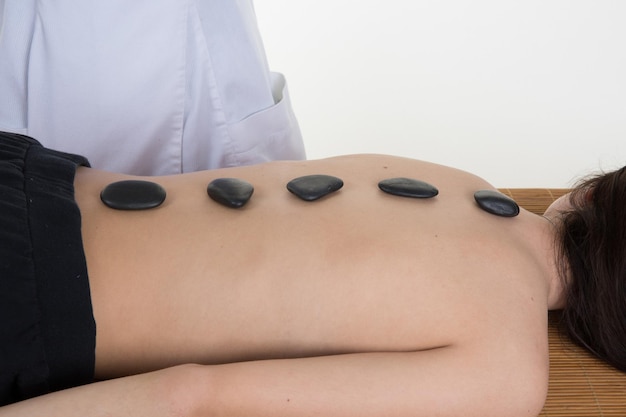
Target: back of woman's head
x=593 y=245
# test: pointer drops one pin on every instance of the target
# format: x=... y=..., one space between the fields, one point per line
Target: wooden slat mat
x=535 y=200
x=580 y=384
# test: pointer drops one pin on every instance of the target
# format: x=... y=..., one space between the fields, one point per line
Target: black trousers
x=47 y=329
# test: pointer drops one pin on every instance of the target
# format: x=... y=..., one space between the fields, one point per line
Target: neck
x=556 y=294
x=546 y=251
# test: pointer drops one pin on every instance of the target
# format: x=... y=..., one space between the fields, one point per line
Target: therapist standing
x=144 y=87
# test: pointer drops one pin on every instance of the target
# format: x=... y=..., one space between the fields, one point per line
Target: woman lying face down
x=360 y=303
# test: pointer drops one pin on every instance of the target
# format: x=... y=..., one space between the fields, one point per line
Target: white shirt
x=145 y=87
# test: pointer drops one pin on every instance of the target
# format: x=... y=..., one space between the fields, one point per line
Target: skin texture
x=361 y=303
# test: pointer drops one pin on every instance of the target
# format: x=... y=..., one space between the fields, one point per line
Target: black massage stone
x=496 y=203
x=408 y=187
x=313 y=187
x=133 y=195
x=230 y=192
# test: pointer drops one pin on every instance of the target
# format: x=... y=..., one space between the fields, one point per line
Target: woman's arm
x=450 y=381
x=442 y=382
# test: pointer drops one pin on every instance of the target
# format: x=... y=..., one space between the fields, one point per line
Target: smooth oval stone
x=496 y=203
x=133 y=195
x=408 y=187
x=312 y=187
x=230 y=192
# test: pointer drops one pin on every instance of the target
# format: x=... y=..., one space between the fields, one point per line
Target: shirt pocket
x=269 y=134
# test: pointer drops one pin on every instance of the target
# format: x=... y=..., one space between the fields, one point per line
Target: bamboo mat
x=580 y=385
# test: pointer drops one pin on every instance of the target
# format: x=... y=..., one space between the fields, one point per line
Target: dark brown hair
x=592 y=243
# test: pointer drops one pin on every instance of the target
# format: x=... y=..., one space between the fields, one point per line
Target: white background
x=523 y=93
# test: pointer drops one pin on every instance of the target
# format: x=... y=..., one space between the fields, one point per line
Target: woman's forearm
x=176 y=391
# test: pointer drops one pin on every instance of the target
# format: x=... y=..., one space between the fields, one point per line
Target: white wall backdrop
x=523 y=93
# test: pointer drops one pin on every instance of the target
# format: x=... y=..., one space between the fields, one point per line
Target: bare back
x=357 y=271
